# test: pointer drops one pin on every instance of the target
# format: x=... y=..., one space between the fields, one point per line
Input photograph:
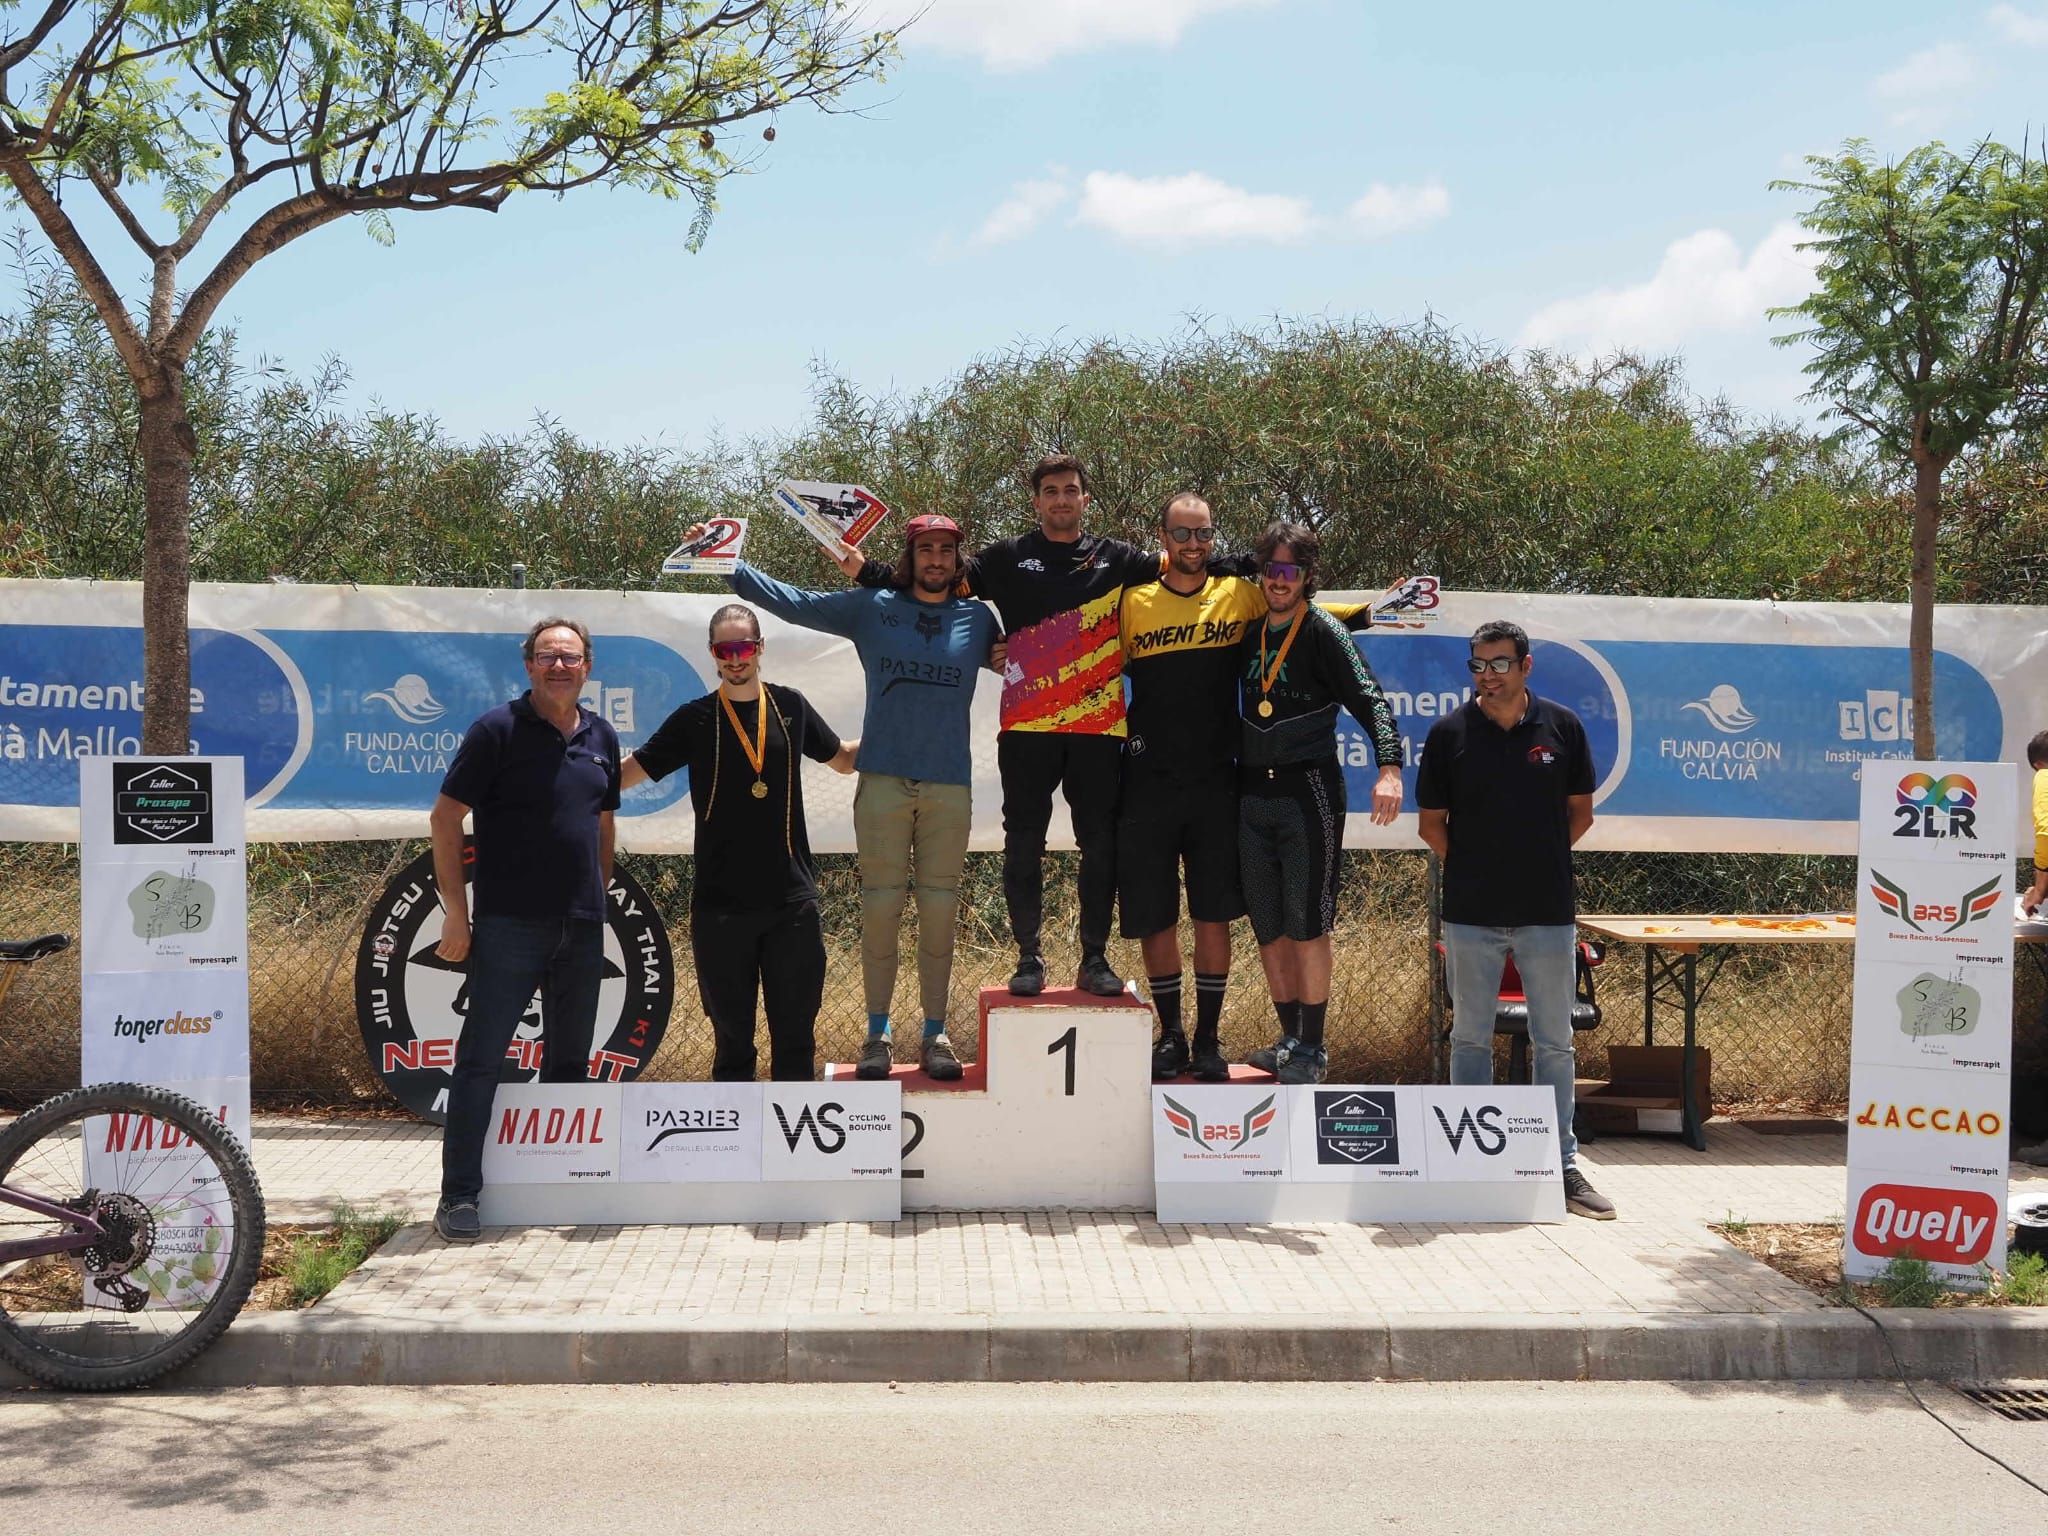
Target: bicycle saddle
x=28 y=951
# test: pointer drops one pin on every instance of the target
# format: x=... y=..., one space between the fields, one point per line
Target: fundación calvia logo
x=1730 y=753
x=1974 y=906
x=1220 y=1136
x=817 y=1122
x=410 y=699
x=1931 y=807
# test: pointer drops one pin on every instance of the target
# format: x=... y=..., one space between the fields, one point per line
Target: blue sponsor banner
x=1779 y=731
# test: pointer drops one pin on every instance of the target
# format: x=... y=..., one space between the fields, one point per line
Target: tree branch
x=92 y=277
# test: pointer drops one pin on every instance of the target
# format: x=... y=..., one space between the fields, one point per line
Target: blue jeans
x=1546 y=956
x=511 y=958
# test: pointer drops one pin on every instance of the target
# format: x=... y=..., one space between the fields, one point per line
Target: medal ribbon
x=757 y=749
x=1267 y=674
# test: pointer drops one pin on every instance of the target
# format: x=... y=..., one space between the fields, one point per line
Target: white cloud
x=1386 y=210
x=1927 y=82
x=2017 y=26
x=1022 y=211
x=1193 y=209
x=1012 y=35
x=1704 y=286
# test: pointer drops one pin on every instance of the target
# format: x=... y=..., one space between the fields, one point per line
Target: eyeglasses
x=1496 y=664
x=1281 y=570
x=1199 y=535
x=557 y=659
x=734 y=650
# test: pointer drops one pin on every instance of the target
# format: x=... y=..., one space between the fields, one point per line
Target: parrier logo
x=1223 y=1135
x=1974 y=906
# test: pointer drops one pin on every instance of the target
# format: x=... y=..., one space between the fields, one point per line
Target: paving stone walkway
x=1659 y=1258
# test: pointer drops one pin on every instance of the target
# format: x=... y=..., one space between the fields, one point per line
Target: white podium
x=1055 y=1115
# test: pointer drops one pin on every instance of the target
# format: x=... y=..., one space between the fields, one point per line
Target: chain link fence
x=1776 y=1017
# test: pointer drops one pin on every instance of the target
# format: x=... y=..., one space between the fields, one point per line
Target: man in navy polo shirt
x=541 y=775
x=1505 y=788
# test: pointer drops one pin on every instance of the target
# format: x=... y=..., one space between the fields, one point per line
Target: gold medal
x=757 y=749
x=1268 y=671
x=1265 y=709
x=760 y=789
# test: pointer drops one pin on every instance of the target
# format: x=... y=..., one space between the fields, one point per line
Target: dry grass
x=1811 y=1253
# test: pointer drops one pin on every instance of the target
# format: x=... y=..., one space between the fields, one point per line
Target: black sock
x=1290 y=1017
x=1209 y=1004
x=1166 y=998
x=1312 y=1022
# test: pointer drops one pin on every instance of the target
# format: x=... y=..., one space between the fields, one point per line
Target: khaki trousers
x=896 y=821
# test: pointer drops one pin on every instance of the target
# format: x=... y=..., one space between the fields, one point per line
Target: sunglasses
x=1199 y=535
x=735 y=650
x=1495 y=664
x=1281 y=570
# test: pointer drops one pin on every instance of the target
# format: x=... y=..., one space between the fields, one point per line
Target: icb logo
x=1931 y=807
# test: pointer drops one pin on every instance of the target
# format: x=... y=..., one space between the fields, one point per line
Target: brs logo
x=1976 y=905
x=817 y=1125
x=1931 y=807
x=1483 y=1128
x=1256 y=1122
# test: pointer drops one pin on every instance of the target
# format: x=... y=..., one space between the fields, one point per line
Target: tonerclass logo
x=1220 y=1136
x=410 y=699
x=1938 y=1226
x=1931 y=807
x=1935 y=916
x=170 y=1024
x=1724 y=710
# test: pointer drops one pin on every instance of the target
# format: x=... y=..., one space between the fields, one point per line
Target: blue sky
x=1581 y=176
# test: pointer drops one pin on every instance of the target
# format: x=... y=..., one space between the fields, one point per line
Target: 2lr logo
x=1223 y=1135
x=816 y=1124
x=1940 y=1226
x=1931 y=807
x=1975 y=905
x=1483 y=1128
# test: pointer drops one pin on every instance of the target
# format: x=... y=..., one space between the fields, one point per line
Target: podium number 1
x=1065 y=1043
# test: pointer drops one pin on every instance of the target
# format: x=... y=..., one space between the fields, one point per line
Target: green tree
x=279 y=118
x=1926 y=324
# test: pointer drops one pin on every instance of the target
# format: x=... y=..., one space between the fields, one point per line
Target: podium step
x=974 y=1079
x=1240 y=1074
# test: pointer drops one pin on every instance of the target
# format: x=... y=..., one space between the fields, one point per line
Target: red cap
x=930 y=522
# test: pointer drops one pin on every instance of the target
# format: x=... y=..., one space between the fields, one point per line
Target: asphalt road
x=795 y=1460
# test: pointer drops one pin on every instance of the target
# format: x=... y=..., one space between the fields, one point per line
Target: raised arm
x=836 y=613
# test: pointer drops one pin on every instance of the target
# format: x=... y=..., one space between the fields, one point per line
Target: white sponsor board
x=831 y=1131
x=1356 y=1152
x=1930 y=1080
x=163 y=1027
x=697 y=1132
x=182 y=910
x=554 y=1133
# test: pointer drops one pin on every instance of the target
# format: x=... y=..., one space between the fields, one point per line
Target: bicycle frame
x=13 y=1252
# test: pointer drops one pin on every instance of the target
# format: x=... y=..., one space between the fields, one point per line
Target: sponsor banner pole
x=1930 y=1050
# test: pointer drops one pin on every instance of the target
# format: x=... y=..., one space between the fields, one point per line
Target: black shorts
x=1170 y=823
x=1290 y=845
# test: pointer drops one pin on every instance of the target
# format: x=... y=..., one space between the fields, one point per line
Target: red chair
x=1511 y=1008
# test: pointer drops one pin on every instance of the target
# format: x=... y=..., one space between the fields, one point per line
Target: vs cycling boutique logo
x=1936 y=917
x=410 y=1003
x=1931 y=807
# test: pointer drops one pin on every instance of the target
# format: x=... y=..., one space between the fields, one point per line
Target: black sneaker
x=456 y=1221
x=1582 y=1199
x=876 y=1058
x=1096 y=976
x=1268 y=1055
x=937 y=1058
x=1208 y=1065
x=1170 y=1055
x=1301 y=1064
x=1030 y=978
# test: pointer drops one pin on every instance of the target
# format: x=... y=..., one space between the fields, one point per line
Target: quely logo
x=1724 y=710
x=1931 y=807
x=1483 y=1128
x=817 y=1123
x=1918 y=1117
x=1256 y=1122
x=1976 y=904
x=1940 y=1226
x=410 y=699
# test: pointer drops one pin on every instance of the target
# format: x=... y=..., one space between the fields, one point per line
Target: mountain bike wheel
x=183 y=1224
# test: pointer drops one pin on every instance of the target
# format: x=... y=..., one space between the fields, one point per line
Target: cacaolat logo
x=1974 y=906
x=1220 y=1136
x=1931 y=807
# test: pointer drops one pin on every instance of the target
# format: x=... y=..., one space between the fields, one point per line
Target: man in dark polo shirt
x=1505 y=788
x=541 y=775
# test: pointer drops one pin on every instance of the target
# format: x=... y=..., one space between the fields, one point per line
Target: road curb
x=278 y=1349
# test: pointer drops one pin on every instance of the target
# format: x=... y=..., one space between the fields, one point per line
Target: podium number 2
x=1065 y=1043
